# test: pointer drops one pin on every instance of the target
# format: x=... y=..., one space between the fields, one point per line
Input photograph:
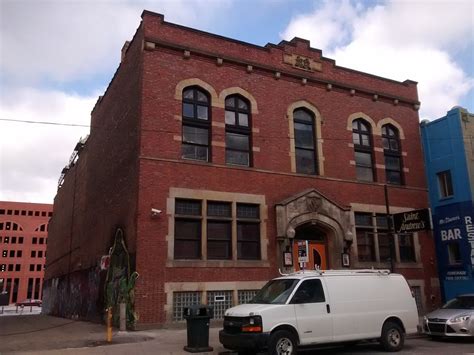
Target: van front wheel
x=282 y=342
x=393 y=337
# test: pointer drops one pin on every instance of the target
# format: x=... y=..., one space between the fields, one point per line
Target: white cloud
x=399 y=40
x=328 y=26
x=69 y=40
x=33 y=155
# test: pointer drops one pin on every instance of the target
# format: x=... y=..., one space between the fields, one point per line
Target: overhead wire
x=197 y=133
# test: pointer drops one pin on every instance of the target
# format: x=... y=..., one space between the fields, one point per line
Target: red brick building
x=23 y=239
x=217 y=156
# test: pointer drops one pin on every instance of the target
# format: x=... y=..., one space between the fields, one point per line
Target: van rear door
x=313 y=312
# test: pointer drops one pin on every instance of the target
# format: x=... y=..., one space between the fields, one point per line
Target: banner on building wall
x=454 y=233
x=412 y=221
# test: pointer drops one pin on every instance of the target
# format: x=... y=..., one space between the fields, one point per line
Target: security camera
x=155 y=212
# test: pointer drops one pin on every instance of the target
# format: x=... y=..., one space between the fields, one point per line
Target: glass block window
x=245 y=296
x=182 y=300
x=220 y=302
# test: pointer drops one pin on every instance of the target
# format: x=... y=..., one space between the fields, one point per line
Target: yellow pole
x=109 y=324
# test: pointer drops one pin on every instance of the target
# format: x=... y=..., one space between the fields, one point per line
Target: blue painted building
x=448 y=145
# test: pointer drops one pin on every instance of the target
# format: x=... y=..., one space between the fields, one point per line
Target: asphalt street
x=30 y=333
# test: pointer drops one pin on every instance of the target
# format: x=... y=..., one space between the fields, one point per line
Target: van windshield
x=275 y=291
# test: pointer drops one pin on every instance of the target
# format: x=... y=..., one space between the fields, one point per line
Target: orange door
x=316 y=256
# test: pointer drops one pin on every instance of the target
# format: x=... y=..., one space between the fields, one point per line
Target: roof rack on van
x=342 y=272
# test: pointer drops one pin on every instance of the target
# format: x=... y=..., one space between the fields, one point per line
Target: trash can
x=4 y=298
x=197 y=321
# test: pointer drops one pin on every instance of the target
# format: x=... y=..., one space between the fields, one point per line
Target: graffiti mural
x=75 y=296
x=120 y=282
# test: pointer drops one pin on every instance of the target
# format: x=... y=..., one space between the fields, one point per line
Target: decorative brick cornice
x=278 y=73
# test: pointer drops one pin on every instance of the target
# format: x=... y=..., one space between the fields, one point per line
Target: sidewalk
x=41 y=334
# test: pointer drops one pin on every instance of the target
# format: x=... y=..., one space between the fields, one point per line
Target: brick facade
x=132 y=163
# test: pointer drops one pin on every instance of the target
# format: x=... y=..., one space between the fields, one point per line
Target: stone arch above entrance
x=310 y=207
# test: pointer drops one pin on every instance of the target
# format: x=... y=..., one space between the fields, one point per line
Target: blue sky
x=58 y=56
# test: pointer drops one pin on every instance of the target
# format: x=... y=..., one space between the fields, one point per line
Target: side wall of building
x=98 y=195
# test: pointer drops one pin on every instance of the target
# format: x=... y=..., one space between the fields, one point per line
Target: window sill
x=383 y=265
x=447 y=198
x=218 y=263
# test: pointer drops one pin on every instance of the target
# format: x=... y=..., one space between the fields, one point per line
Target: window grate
x=245 y=296
x=248 y=211
x=220 y=301
x=182 y=300
x=188 y=207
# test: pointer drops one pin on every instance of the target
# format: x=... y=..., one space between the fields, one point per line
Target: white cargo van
x=318 y=307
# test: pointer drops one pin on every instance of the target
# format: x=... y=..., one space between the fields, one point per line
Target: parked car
x=454 y=319
x=29 y=302
x=319 y=307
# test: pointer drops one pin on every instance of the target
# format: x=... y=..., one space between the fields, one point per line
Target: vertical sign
x=302 y=251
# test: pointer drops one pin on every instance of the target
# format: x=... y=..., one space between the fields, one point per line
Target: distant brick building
x=216 y=157
x=23 y=239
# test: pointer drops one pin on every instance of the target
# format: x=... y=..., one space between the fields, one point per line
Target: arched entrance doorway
x=313 y=238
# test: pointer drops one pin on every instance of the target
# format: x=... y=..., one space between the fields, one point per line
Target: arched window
x=362 y=139
x=237 y=131
x=10 y=226
x=196 y=124
x=392 y=154
x=305 y=149
x=42 y=228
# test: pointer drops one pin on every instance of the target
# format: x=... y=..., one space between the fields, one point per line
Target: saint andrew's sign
x=412 y=221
